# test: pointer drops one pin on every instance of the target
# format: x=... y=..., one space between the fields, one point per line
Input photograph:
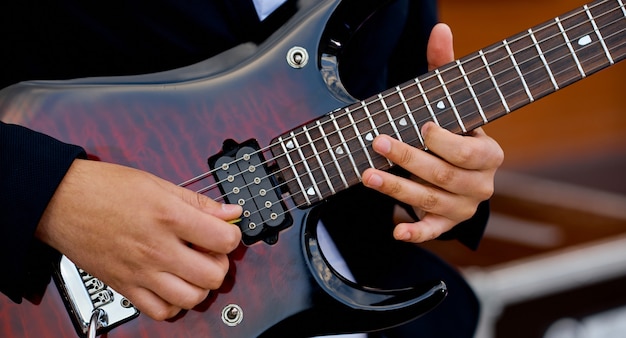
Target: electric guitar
x=288 y=137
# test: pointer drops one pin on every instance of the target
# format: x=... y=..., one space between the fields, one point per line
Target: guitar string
x=570 y=68
x=565 y=17
x=535 y=57
x=409 y=127
x=541 y=67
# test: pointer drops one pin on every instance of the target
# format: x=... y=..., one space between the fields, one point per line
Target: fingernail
x=403 y=236
x=231 y=208
x=426 y=127
x=383 y=145
x=375 y=181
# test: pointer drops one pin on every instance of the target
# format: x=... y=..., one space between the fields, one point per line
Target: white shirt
x=266 y=7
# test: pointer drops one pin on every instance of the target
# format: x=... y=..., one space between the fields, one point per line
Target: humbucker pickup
x=244 y=178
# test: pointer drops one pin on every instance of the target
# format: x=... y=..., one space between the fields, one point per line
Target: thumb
x=440 y=48
x=223 y=211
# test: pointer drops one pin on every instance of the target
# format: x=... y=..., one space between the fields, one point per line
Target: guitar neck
x=328 y=155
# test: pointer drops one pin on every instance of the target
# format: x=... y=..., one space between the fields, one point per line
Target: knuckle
x=164 y=313
x=468 y=212
x=193 y=298
x=394 y=188
x=215 y=277
x=405 y=157
x=486 y=192
x=443 y=175
x=232 y=239
x=429 y=200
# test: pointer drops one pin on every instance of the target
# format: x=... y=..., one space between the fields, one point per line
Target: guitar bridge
x=92 y=304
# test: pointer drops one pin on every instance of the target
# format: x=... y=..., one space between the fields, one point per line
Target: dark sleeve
x=31 y=167
x=468 y=232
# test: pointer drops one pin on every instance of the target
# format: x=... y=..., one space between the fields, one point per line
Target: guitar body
x=169 y=124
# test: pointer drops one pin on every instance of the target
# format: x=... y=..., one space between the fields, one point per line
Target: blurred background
x=553 y=261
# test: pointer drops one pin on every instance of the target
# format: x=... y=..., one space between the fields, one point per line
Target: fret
x=426 y=102
x=510 y=83
x=543 y=58
x=464 y=104
x=436 y=94
x=409 y=114
x=490 y=101
x=571 y=48
x=321 y=167
x=368 y=122
x=296 y=176
x=612 y=24
x=495 y=82
x=311 y=170
x=344 y=149
x=333 y=159
x=621 y=5
x=392 y=123
x=517 y=69
x=339 y=151
x=311 y=186
x=450 y=101
x=472 y=93
x=377 y=120
x=531 y=65
x=360 y=138
x=597 y=31
x=559 y=55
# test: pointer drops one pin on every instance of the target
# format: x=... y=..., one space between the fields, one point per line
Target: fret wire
x=449 y=97
x=493 y=79
x=332 y=154
x=410 y=114
x=360 y=138
x=595 y=28
x=430 y=109
x=371 y=120
x=319 y=160
x=392 y=122
x=295 y=171
x=306 y=166
x=571 y=49
x=621 y=5
x=543 y=59
x=471 y=90
x=347 y=148
x=519 y=72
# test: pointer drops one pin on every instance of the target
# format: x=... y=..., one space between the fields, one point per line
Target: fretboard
x=328 y=155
